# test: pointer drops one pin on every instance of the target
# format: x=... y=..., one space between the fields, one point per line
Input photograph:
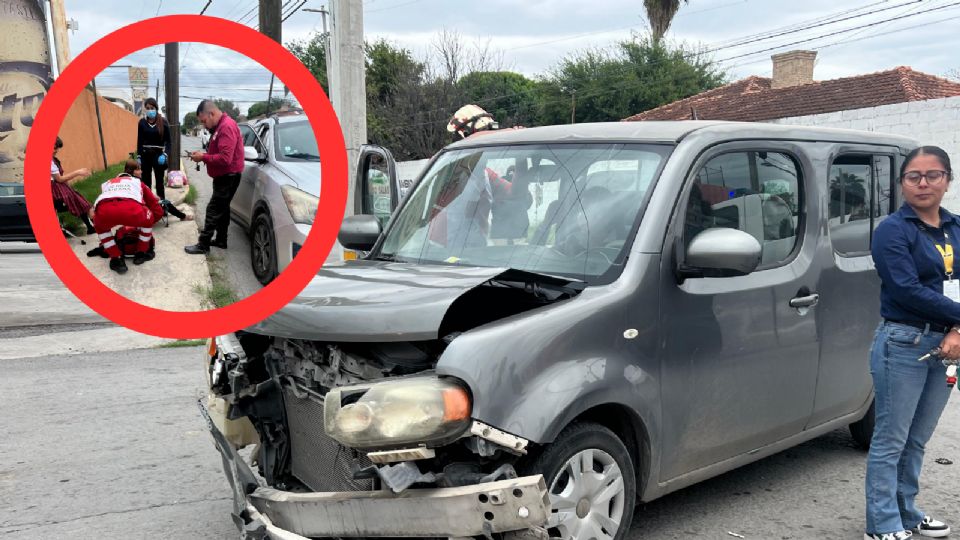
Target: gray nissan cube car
x=559 y=323
x=279 y=190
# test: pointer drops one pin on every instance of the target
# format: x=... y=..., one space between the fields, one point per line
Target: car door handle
x=807 y=301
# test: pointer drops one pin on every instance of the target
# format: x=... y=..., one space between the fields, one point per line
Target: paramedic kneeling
x=125 y=200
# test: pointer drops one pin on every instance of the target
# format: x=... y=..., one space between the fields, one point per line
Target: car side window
x=247 y=133
x=263 y=133
x=860 y=198
x=756 y=192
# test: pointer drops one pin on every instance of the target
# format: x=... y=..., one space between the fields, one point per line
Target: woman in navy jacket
x=153 y=145
x=913 y=250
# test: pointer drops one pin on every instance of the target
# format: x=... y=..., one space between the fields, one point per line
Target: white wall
x=936 y=122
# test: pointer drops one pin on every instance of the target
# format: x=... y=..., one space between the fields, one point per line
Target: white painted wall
x=936 y=122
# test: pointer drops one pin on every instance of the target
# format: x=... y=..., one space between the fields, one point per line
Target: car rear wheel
x=862 y=430
x=263 y=249
x=591 y=481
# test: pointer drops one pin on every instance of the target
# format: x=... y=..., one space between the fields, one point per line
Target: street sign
x=139 y=76
x=139 y=94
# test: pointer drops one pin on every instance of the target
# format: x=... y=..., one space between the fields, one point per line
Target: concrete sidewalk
x=173 y=281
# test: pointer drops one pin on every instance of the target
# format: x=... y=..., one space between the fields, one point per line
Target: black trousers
x=217 y=220
x=149 y=168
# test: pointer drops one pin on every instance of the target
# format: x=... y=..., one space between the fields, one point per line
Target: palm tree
x=660 y=14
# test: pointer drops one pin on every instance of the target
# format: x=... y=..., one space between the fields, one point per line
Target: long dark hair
x=160 y=122
x=935 y=151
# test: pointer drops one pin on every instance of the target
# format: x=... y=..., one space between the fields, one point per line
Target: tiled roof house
x=792 y=92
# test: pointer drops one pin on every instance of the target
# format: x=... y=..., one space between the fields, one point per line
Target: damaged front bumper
x=519 y=505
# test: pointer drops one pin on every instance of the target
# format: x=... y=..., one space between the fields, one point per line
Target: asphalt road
x=110 y=445
x=237 y=257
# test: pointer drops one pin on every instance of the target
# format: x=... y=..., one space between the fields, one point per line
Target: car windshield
x=297 y=142
x=563 y=209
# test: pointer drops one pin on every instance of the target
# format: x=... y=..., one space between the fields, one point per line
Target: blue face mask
x=151 y=114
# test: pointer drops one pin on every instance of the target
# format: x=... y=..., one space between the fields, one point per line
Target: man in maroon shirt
x=224 y=161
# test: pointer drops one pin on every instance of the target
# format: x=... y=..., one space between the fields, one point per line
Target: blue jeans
x=910 y=396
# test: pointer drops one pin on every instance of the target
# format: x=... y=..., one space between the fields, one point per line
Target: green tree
x=312 y=52
x=605 y=85
x=660 y=13
x=259 y=108
x=228 y=107
x=190 y=121
x=510 y=97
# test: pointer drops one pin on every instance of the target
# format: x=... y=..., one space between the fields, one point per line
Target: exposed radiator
x=317 y=460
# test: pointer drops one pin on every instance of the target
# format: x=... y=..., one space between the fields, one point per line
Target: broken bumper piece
x=519 y=505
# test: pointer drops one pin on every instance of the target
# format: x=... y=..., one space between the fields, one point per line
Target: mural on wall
x=24 y=79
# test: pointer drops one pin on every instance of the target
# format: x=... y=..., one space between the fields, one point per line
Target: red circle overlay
x=193 y=324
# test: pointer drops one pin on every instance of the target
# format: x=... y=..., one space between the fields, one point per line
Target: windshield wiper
x=303 y=155
x=388 y=257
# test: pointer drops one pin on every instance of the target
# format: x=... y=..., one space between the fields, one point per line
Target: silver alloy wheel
x=262 y=248
x=587 y=497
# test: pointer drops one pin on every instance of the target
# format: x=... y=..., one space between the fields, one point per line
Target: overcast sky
x=533 y=35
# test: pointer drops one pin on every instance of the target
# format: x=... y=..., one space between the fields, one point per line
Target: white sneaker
x=900 y=535
x=932 y=528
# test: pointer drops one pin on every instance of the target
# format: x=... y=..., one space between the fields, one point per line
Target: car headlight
x=396 y=413
x=302 y=205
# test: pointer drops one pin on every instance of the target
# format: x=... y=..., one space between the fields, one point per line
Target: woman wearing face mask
x=913 y=250
x=153 y=145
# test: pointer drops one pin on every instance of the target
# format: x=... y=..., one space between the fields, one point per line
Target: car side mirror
x=721 y=252
x=359 y=233
x=250 y=154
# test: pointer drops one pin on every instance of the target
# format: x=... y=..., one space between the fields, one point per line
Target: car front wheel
x=263 y=249
x=592 y=484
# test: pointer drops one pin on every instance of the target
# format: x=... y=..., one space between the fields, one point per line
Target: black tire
x=552 y=463
x=263 y=249
x=862 y=430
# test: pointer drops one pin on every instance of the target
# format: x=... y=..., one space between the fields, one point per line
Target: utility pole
x=271 y=25
x=96 y=106
x=171 y=81
x=573 y=105
x=61 y=40
x=348 y=87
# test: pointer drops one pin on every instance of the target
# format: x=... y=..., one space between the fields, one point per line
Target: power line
x=868 y=25
x=825 y=23
x=688 y=56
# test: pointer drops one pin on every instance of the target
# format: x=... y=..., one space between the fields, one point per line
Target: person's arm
x=226 y=144
x=140 y=138
x=895 y=265
x=166 y=138
x=69 y=177
x=500 y=186
x=152 y=202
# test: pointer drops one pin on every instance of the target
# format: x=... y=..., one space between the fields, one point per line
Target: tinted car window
x=860 y=188
x=756 y=192
x=248 y=137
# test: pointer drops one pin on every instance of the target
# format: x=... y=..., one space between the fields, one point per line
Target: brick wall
x=934 y=122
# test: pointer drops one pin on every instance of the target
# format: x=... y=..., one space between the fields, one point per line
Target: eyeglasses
x=933 y=177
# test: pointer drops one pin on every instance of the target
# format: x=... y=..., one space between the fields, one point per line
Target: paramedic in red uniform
x=469 y=121
x=224 y=160
x=125 y=200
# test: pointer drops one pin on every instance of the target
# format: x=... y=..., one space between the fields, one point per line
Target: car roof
x=674 y=132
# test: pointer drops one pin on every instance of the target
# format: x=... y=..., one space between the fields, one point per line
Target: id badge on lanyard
x=951 y=287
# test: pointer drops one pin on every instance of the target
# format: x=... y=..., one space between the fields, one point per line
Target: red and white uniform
x=124 y=200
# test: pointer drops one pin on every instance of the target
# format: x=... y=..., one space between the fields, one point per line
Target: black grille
x=317 y=460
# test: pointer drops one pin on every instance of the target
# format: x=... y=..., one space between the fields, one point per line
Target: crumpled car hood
x=372 y=301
